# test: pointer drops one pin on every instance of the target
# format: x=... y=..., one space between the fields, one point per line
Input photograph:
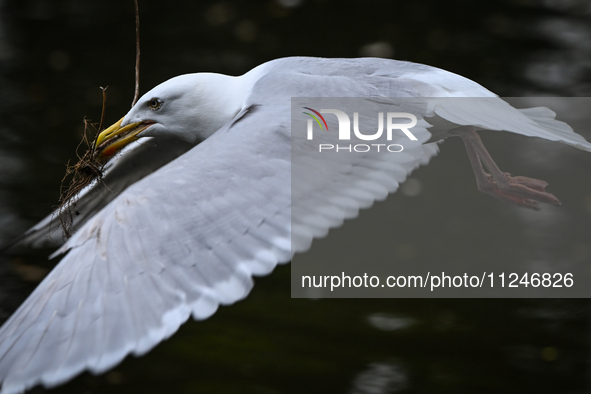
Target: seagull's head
x=190 y=107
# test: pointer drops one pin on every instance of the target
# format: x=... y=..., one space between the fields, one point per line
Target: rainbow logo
x=315 y=118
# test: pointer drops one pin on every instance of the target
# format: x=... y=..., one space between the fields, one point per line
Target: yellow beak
x=115 y=137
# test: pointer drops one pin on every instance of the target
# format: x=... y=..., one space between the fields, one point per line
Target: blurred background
x=55 y=55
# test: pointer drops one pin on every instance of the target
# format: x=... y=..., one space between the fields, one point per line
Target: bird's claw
x=521 y=191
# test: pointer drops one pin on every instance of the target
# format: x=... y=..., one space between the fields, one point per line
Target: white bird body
x=189 y=236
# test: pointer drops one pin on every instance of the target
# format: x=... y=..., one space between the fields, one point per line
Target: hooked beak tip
x=115 y=137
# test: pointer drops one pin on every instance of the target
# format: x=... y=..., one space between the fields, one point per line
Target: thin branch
x=90 y=165
x=137 y=53
x=102 y=113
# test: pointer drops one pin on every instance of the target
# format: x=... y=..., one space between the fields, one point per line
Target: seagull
x=198 y=197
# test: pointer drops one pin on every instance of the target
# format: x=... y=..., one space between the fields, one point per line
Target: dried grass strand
x=137 y=54
x=90 y=167
x=84 y=172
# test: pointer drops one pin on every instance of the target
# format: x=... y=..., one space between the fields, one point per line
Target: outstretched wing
x=184 y=240
x=190 y=236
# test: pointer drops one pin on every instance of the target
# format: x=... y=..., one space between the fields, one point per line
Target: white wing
x=189 y=237
x=179 y=242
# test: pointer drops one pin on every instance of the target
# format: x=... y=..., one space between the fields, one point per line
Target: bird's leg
x=518 y=190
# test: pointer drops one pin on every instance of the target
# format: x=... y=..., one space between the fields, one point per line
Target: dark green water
x=54 y=55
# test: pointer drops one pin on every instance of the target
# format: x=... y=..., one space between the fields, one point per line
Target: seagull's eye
x=154 y=104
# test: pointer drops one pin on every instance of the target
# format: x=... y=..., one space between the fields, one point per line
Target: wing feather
x=180 y=242
x=189 y=237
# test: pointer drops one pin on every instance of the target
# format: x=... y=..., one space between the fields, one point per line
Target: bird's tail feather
x=545 y=118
